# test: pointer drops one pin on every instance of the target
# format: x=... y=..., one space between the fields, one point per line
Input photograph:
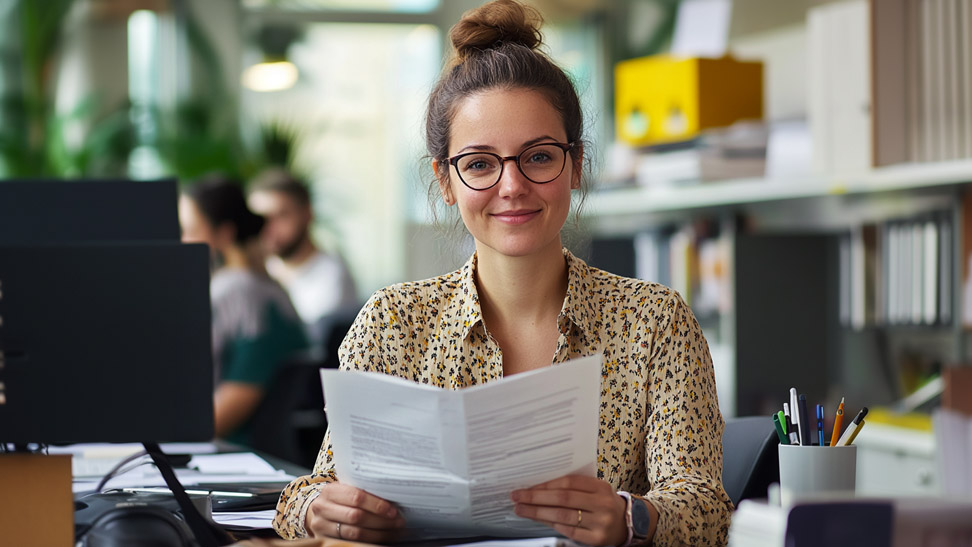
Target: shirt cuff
x=307 y=495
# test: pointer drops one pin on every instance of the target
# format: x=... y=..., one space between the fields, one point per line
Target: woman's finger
x=356 y=516
x=555 y=498
x=351 y=532
x=559 y=515
x=573 y=482
x=343 y=494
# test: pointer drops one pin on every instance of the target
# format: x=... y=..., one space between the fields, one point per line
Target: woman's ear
x=442 y=174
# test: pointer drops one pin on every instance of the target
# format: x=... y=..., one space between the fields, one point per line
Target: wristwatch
x=638 y=518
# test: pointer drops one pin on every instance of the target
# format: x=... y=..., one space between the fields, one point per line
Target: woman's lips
x=519 y=216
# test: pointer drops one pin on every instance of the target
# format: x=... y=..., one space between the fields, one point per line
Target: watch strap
x=627 y=517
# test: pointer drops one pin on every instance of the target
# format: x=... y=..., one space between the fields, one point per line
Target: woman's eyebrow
x=488 y=148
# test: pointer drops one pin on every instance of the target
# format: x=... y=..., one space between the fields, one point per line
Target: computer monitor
x=105 y=343
x=78 y=211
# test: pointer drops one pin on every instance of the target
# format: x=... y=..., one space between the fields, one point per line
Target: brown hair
x=496 y=46
x=277 y=179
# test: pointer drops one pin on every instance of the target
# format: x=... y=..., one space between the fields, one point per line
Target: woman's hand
x=346 y=512
x=585 y=509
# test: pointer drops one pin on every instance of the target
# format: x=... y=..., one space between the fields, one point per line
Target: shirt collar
x=579 y=304
x=466 y=308
x=577 y=308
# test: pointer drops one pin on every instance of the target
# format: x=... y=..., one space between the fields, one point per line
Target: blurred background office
x=796 y=169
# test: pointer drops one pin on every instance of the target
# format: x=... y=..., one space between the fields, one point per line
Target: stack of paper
x=953 y=434
x=757 y=524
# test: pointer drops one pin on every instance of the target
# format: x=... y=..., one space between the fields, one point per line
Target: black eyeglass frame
x=566 y=147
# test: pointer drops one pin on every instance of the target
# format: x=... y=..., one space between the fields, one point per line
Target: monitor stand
x=37 y=506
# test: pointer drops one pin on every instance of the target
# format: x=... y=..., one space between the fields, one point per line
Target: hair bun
x=495 y=23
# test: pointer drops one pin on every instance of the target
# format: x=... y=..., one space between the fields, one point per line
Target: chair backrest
x=750 y=458
x=290 y=421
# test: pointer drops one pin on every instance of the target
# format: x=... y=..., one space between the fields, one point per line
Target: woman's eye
x=539 y=157
x=478 y=164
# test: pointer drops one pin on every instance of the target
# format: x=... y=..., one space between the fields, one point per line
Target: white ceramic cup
x=816 y=471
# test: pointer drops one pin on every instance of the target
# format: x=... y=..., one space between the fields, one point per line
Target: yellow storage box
x=661 y=98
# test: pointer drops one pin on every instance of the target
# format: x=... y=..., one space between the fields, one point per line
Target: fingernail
x=391 y=512
x=518 y=510
x=516 y=495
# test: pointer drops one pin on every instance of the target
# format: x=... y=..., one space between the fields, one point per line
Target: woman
x=255 y=326
x=504 y=133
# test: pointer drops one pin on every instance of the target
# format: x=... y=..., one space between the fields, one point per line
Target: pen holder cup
x=816 y=471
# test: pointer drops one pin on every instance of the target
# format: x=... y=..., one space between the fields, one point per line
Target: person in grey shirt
x=319 y=282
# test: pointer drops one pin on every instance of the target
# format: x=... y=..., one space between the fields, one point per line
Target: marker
x=804 y=424
x=851 y=432
x=795 y=415
x=779 y=429
x=782 y=418
x=838 y=422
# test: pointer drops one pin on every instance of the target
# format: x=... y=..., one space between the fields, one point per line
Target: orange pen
x=838 y=421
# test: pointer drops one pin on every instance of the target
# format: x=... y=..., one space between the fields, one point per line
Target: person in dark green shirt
x=255 y=326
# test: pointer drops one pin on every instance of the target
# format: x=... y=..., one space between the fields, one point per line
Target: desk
x=264 y=479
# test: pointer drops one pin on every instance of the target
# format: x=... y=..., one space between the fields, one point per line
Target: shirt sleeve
x=684 y=437
x=359 y=351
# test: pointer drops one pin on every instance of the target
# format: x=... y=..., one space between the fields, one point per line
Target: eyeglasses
x=540 y=164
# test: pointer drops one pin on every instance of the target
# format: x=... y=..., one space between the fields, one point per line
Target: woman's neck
x=246 y=257
x=513 y=289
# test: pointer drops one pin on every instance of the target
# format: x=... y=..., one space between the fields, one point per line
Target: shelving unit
x=808 y=216
x=626 y=201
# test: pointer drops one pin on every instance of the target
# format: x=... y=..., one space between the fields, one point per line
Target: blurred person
x=318 y=281
x=255 y=326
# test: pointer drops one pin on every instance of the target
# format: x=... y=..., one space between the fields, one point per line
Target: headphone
x=138 y=525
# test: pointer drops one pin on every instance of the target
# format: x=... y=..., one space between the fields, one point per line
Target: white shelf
x=640 y=200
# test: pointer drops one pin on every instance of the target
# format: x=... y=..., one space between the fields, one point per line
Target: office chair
x=290 y=421
x=750 y=457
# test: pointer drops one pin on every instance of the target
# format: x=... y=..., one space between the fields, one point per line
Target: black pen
x=804 y=422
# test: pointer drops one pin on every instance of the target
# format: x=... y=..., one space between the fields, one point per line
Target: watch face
x=640 y=518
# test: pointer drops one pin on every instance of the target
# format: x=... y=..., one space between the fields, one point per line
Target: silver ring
x=339 y=530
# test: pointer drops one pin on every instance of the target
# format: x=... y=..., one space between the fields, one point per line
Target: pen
x=779 y=430
x=795 y=415
x=804 y=424
x=782 y=417
x=820 y=430
x=163 y=490
x=857 y=429
x=851 y=432
x=838 y=422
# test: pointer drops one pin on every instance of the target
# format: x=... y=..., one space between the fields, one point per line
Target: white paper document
x=450 y=459
x=245 y=520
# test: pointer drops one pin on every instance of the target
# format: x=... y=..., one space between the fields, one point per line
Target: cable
x=205 y=532
x=114 y=470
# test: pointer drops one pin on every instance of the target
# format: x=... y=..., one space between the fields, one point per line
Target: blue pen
x=820 y=429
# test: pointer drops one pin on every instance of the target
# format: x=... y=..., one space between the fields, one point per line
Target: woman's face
x=195 y=227
x=516 y=217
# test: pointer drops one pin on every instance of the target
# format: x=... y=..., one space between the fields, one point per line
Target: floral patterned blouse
x=660 y=433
